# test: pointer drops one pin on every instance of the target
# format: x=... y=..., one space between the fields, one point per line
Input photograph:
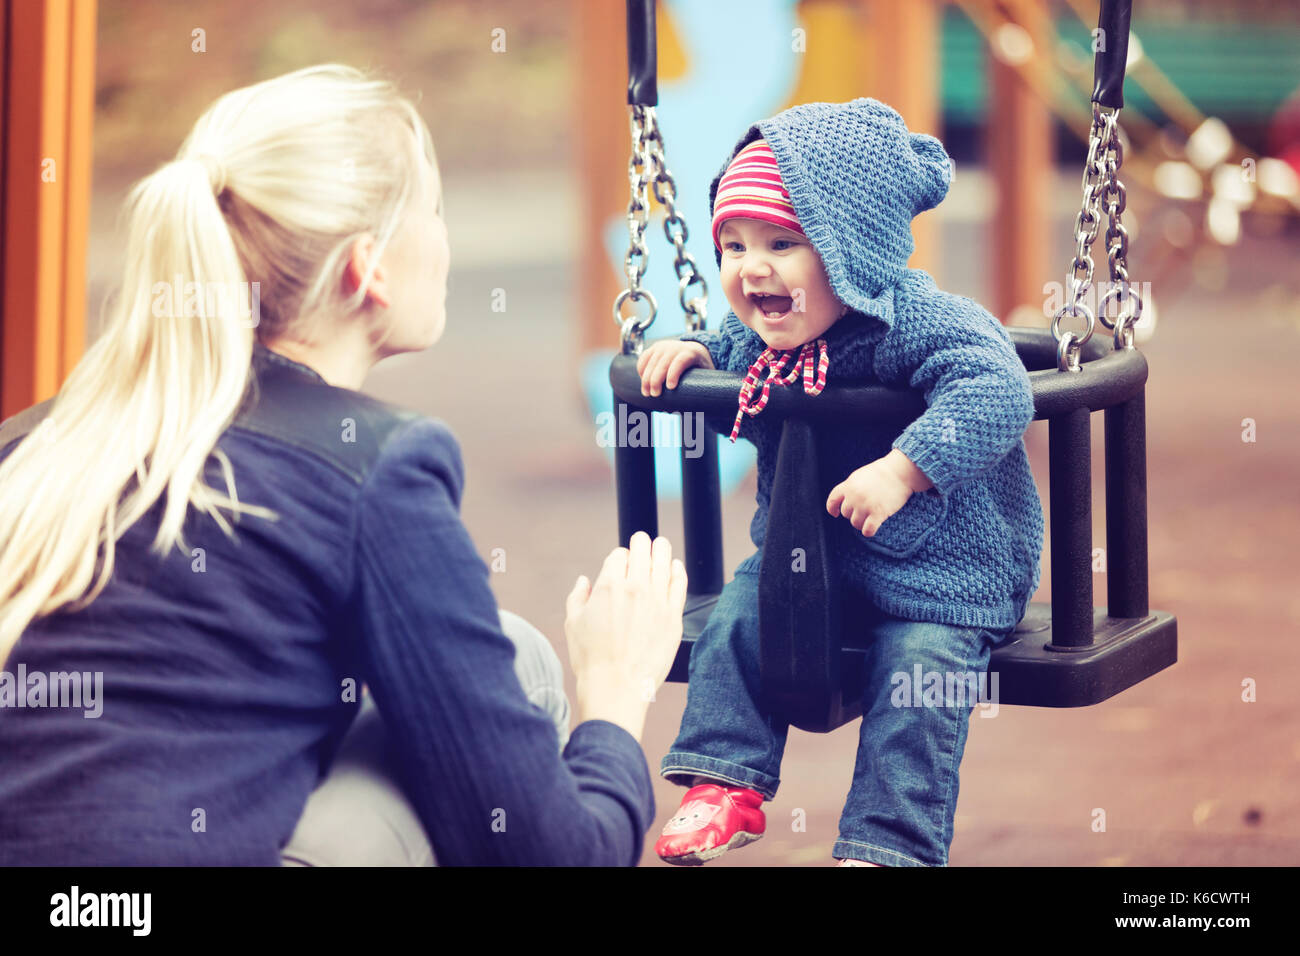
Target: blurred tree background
x=485 y=111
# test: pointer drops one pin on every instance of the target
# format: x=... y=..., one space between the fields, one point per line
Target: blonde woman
x=216 y=541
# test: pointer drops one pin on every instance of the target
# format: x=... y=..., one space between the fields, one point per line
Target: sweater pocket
x=903 y=532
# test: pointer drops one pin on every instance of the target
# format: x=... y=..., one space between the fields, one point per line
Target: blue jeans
x=900 y=806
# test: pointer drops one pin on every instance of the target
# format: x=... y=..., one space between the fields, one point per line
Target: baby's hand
x=868 y=496
x=666 y=360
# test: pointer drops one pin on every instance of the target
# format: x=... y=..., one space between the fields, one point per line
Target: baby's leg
x=922 y=681
x=725 y=737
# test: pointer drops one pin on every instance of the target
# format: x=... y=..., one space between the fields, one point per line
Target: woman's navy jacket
x=230 y=673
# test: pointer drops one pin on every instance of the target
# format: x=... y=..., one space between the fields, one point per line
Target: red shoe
x=712 y=819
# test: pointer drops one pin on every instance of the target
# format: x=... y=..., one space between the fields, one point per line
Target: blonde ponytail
x=245 y=234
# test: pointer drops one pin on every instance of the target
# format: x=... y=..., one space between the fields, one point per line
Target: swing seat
x=1031 y=670
x=1066 y=653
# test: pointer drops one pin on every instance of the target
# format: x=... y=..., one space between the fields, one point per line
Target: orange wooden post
x=47 y=84
x=835 y=66
x=604 y=145
x=901 y=47
x=1019 y=131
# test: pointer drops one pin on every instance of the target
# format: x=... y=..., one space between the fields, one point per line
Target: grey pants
x=359 y=816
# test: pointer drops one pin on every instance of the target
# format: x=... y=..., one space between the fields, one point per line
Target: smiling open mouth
x=773 y=306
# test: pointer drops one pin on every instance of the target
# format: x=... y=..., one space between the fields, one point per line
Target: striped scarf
x=773 y=363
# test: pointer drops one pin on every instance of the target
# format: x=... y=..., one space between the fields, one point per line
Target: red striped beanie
x=751 y=188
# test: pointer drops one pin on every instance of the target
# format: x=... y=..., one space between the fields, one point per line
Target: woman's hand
x=665 y=361
x=623 y=632
x=875 y=491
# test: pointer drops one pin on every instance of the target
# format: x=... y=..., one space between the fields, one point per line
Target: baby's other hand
x=666 y=360
x=868 y=496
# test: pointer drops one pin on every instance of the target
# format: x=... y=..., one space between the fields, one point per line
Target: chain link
x=647 y=167
x=632 y=329
x=1120 y=291
x=665 y=189
x=1096 y=183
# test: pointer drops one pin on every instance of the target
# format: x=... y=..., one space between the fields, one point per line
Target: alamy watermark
x=1102 y=294
x=635 y=430
x=132 y=911
x=82 y=689
x=946 y=689
x=193 y=300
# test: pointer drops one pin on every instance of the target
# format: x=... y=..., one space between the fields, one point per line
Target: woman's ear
x=359 y=260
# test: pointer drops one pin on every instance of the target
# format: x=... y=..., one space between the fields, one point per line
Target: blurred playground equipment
x=1213 y=118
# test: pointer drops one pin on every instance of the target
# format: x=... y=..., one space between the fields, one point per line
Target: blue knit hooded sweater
x=967 y=551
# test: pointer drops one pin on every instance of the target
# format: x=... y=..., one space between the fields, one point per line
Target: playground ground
x=1186 y=771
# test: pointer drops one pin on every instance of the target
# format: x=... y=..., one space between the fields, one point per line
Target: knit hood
x=856 y=178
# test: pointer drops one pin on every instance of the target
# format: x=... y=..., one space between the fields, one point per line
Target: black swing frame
x=1066 y=653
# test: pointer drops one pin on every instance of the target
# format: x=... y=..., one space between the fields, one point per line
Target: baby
x=942 y=526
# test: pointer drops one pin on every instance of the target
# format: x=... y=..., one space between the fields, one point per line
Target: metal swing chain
x=638 y=214
x=648 y=165
x=1100 y=182
x=696 y=310
x=1120 y=290
x=1086 y=226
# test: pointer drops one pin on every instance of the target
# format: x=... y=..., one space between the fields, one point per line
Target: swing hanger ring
x=1067 y=353
x=1128 y=298
x=1074 y=309
x=634 y=295
x=632 y=329
x=631 y=337
x=1123 y=333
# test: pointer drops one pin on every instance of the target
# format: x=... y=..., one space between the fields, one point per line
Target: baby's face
x=776 y=283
